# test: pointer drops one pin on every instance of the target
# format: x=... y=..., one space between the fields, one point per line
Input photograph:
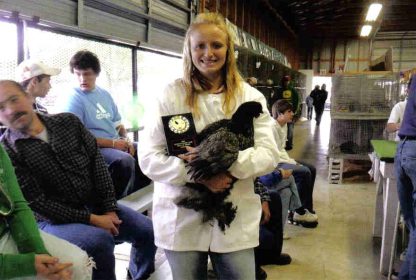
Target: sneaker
x=313 y=213
x=308 y=217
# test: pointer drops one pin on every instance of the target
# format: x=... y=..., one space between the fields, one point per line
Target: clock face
x=178 y=124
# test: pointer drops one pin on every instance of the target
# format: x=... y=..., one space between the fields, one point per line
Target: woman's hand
x=190 y=155
x=64 y=273
x=49 y=267
x=218 y=183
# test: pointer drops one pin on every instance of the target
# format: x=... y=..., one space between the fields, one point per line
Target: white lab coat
x=181 y=229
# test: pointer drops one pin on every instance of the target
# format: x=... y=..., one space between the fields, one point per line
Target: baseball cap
x=31 y=68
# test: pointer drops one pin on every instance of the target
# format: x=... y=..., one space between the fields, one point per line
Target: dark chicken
x=219 y=145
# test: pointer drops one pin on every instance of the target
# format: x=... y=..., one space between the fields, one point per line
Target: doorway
x=327 y=80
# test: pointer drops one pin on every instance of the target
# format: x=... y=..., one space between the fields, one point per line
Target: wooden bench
x=140 y=200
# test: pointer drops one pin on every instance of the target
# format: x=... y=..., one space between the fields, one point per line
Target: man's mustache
x=18 y=115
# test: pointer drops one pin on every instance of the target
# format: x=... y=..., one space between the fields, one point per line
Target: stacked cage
x=351 y=138
x=360 y=106
x=364 y=96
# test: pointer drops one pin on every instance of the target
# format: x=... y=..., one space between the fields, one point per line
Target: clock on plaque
x=180 y=132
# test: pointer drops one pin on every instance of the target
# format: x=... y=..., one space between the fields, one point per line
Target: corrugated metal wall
x=329 y=55
x=404 y=52
x=155 y=23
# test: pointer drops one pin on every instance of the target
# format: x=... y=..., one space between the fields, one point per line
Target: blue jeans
x=289 y=196
x=99 y=244
x=125 y=172
x=405 y=168
x=305 y=175
x=192 y=265
x=309 y=114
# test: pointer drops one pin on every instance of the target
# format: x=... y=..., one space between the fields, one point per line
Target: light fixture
x=373 y=12
x=365 y=30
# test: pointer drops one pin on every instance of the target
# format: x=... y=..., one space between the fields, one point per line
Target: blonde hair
x=194 y=81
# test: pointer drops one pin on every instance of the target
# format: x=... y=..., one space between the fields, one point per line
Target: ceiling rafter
x=340 y=18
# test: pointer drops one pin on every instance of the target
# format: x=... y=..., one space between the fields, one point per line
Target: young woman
x=24 y=250
x=211 y=89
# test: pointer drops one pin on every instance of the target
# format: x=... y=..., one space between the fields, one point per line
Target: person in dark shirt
x=319 y=98
x=64 y=178
x=34 y=77
x=270 y=246
x=25 y=251
x=405 y=170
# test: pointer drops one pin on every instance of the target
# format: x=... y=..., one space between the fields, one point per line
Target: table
x=387 y=202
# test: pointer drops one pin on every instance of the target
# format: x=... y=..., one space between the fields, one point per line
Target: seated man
x=303 y=173
x=24 y=250
x=269 y=250
x=97 y=110
x=35 y=77
x=65 y=180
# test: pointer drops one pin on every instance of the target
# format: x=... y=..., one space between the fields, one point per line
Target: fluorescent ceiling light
x=373 y=11
x=365 y=30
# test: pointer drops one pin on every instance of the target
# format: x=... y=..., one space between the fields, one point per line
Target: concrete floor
x=341 y=247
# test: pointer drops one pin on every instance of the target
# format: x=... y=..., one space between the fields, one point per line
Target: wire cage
x=351 y=138
x=261 y=68
x=277 y=73
x=369 y=95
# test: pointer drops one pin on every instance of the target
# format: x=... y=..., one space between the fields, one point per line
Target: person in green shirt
x=24 y=250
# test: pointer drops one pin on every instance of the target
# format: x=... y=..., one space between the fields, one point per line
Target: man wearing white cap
x=35 y=76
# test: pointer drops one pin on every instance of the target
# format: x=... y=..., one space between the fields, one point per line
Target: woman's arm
x=153 y=158
x=23 y=228
x=263 y=157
